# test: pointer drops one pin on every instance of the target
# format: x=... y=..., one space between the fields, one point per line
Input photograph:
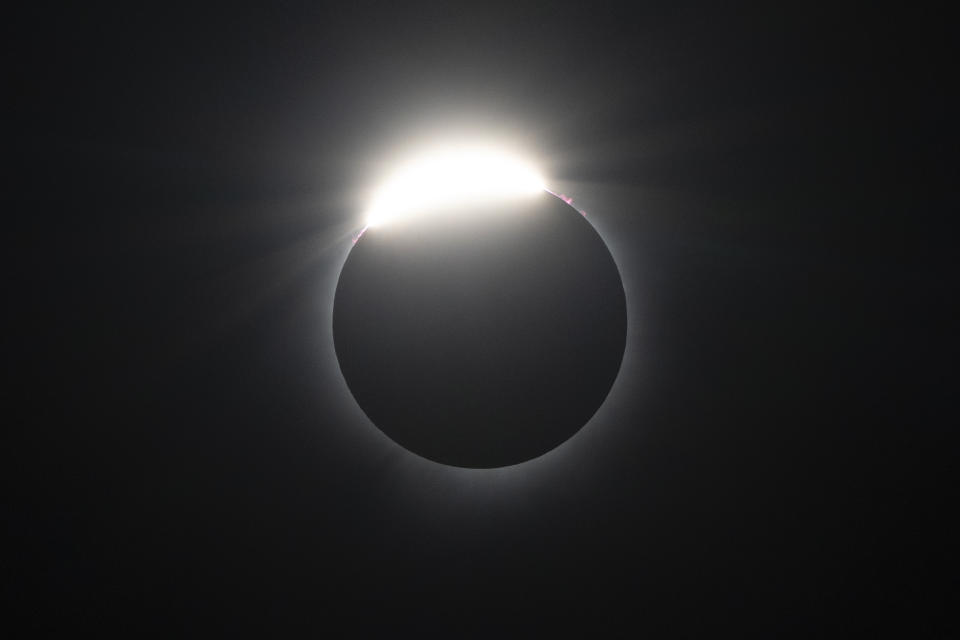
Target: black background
x=183 y=453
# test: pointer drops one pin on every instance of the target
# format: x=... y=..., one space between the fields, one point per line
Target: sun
x=451 y=178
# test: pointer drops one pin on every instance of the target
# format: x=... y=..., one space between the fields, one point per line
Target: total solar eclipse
x=479 y=320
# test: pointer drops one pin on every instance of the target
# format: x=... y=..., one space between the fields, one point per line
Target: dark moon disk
x=481 y=338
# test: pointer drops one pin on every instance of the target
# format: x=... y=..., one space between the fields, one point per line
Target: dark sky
x=773 y=457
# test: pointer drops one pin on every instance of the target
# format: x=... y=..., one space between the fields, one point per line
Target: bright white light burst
x=452 y=176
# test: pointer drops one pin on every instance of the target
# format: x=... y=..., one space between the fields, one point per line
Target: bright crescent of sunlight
x=448 y=176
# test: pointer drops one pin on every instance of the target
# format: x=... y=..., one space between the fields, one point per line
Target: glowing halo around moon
x=481 y=321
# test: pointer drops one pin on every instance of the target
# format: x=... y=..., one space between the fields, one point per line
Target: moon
x=485 y=334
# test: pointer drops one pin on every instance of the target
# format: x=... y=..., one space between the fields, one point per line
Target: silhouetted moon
x=481 y=338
